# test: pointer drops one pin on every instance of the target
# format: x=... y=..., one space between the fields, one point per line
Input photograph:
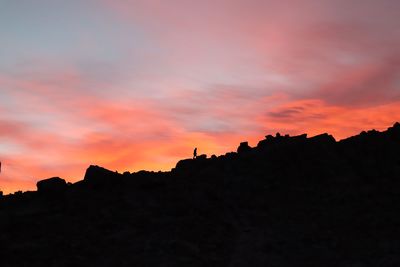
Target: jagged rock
x=271 y=143
x=323 y=139
x=395 y=129
x=51 y=185
x=243 y=147
x=269 y=137
x=301 y=137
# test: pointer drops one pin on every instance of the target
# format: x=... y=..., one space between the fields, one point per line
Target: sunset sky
x=133 y=85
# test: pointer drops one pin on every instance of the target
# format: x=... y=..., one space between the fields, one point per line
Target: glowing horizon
x=132 y=85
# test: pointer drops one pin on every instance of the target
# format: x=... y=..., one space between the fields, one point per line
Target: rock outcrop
x=99 y=176
x=51 y=185
x=243 y=147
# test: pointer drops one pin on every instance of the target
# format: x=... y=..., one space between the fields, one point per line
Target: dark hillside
x=289 y=201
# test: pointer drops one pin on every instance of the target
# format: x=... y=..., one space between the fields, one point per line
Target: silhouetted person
x=195 y=153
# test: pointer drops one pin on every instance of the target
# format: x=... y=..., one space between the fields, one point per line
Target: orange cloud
x=120 y=135
x=315 y=116
x=210 y=75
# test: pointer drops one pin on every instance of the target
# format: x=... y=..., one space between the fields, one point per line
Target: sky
x=133 y=85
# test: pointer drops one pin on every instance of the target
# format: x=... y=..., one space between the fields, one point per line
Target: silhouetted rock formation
x=51 y=185
x=98 y=176
x=243 y=147
x=289 y=201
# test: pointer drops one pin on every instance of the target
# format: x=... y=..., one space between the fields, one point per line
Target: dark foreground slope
x=290 y=201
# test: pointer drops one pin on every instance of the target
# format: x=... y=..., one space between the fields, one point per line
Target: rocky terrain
x=289 y=201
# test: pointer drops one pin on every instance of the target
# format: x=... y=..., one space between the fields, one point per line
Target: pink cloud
x=367 y=85
x=125 y=134
x=213 y=74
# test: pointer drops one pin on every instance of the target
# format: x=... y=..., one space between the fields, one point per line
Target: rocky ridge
x=289 y=201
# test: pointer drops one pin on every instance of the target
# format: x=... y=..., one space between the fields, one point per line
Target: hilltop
x=289 y=201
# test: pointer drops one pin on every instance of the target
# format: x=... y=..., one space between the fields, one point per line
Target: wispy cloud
x=137 y=84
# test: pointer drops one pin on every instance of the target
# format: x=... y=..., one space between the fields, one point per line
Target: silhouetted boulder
x=243 y=147
x=51 y=185
x=97 y=176
x=192 y=164
x=323 y=139
x=264 y=143
x=184 y=164
x=301 y=137
x=201 y=157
